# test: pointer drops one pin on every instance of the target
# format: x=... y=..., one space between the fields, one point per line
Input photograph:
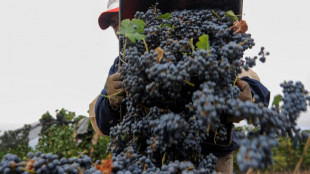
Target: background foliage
x=15 y=142
x=58 y=136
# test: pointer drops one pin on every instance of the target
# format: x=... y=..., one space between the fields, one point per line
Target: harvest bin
x=129 y=7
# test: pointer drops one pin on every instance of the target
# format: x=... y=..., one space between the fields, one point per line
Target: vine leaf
x=203 y=43
x=276 y=100
x=240 y=26
x=231 y=15
x=62 y=132
x=166 y=16
x=106 y=165
x=132 y=29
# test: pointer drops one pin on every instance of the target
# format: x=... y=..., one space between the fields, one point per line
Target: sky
x=53 y=54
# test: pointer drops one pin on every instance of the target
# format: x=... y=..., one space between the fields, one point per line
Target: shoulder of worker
x=248 y=73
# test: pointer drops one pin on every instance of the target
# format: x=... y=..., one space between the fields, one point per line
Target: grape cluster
x=179 y=102
x=48 y=163
x=7 y=162
x=255 y=149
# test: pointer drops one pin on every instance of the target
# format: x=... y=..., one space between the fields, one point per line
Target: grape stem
x=84 y=152
x=242 y=43
x=189 y=83
x=124 y=51
x=236 y=79
x=190 y=168
x=164 y=158
x=20 y=164
x=216 y=15
x=215 y=136
x=135 y=139
x=122 y=60
x=146 y=48
x=109 y=96
x=192 y=44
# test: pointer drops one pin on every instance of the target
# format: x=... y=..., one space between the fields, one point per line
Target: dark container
x=129 y=7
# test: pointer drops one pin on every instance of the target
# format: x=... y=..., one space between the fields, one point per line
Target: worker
x=105 y=112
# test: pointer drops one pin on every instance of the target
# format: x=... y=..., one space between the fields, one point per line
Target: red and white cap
x=113 y=7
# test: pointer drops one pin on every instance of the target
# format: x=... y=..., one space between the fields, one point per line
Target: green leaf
x=231 y=15
x=276 y=100
x=166 y=16
x=203 y=43
x=133 y=29
x=62 y=132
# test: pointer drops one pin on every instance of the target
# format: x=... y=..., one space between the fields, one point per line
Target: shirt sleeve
x=258 y=89
x=106 y=117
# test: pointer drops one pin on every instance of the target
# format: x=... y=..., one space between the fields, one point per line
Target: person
x=105 y=112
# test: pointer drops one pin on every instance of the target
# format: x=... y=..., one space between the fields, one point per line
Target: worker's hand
x=245 y=91
x=245 y=94
x=115 y=90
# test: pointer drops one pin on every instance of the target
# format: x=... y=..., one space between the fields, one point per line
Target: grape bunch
x=51 y=163
x=7 y=162
x=181 y=91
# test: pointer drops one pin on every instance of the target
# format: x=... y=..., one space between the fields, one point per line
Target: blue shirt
x=106 y=117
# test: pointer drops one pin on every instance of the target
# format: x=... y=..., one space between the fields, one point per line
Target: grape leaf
x=203 y=43
x=231 y=15
x=133 y=29
x=166 y=16
x=160 y=54
x=240 y=26
x=276 y=100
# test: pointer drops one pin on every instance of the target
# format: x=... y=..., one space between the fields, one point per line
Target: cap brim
x=103 y=19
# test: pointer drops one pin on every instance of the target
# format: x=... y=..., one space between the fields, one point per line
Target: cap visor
x=103 y=20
